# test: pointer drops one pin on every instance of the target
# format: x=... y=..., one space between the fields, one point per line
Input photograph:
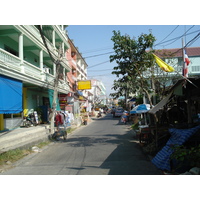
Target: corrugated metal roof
x=191 y=51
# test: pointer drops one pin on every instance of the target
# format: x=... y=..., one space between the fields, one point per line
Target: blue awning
x=10 y=95
x=80 y=93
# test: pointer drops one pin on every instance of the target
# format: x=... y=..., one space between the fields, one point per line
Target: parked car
x=118 y=113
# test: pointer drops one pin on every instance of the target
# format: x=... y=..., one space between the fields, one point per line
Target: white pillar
x=63 y=49
x=64 y=77
x=54 y=69
x=53 y=39
x=41 y=65
x=21 y=51
x=41 y=59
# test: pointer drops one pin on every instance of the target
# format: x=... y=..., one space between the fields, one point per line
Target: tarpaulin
x=10 y=95
x=178 y=137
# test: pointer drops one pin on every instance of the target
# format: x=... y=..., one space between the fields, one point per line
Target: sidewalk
x=22 y=137
x=26 y=137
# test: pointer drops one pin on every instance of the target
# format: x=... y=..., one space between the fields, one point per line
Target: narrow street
x=103 y=147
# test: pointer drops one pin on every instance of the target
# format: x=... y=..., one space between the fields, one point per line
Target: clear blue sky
x=96 y=39
x=93 y=40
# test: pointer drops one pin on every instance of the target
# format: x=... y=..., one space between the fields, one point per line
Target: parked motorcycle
x=99 y=114
x=124 y=117
x=29 y=121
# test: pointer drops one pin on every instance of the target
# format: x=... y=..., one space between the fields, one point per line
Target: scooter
x=61 y=133
x=124 y=119
x=99 y=114
x=29 y=121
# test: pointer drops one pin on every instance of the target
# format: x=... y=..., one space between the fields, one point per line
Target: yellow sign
x=84 y=85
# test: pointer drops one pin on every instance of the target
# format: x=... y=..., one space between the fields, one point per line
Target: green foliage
x=13 y=155
x=132 y=60
x=191 y=155
x=135 y=126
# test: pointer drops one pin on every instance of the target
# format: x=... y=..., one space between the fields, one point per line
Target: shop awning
x=10 y=95
x=160 y=105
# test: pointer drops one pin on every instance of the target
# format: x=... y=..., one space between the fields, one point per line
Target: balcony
x=13 y=67
x=32 y=34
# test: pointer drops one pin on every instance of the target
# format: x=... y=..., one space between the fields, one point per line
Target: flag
x=186 y=63
x=164 y=66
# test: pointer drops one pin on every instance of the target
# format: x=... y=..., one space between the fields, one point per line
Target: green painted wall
x=35 y=98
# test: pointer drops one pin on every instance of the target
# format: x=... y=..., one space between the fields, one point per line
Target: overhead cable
x=170 y=33
x=177 y=37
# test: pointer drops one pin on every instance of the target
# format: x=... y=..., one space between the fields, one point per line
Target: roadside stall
x=176 y=119
x=141 y=116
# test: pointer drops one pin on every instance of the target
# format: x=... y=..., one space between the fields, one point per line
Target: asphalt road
x=103 y=147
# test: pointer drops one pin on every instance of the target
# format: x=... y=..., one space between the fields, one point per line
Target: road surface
x=103 y=147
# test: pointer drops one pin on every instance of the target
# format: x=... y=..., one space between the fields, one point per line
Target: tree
x=133 y=58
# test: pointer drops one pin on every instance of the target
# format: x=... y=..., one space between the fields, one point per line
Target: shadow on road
x=127 y=159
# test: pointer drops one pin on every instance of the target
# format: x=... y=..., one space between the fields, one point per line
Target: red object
x=187 y=62
x=58 y=119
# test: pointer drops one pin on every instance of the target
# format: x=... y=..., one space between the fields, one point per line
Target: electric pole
x=55 y=93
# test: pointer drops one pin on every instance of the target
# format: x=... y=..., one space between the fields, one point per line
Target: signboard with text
x=84 y=85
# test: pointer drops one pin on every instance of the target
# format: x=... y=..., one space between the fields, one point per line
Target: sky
x=91 y=24
x=95 y=44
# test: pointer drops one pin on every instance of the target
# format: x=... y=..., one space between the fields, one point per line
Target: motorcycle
x=124 y=117
x=99 y=114
x=29 y=121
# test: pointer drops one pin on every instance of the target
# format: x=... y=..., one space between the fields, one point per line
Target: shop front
x=10 y=102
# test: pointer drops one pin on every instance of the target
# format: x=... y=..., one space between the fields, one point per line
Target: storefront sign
x=84 y=85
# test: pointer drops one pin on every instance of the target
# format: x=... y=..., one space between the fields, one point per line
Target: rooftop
x=177 y=52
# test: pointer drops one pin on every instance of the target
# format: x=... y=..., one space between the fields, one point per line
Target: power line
x=98 y=64
x=101 y=75
x=95 y=50
x=101 y=70
x=170 y=33
x=99 y=54
x=193 y=40
x=175 y=39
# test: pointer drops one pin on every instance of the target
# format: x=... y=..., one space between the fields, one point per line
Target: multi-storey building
x=27 y=73
x=99 y=92
x=78 y=72
x=174 y=57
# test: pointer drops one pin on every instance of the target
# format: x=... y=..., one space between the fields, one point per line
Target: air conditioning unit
x=47 y=70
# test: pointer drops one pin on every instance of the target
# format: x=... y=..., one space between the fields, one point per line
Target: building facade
x=28 y=71
x=98 y=92
x=174 y=57
x=78 y=72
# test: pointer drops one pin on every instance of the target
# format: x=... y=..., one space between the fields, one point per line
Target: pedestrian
x=63 y=118
x=67 y=118
x=58 y=120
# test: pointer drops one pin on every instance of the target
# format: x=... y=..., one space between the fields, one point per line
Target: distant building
x=98 y=92
x=174 y=57
x=77 y=73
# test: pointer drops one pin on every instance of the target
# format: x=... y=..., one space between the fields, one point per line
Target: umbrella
x=142 y=108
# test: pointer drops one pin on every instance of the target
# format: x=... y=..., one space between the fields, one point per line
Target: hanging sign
x=84 y=85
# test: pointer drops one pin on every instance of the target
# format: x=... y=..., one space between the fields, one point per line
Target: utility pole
x=55 y=94
x=56 y=80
